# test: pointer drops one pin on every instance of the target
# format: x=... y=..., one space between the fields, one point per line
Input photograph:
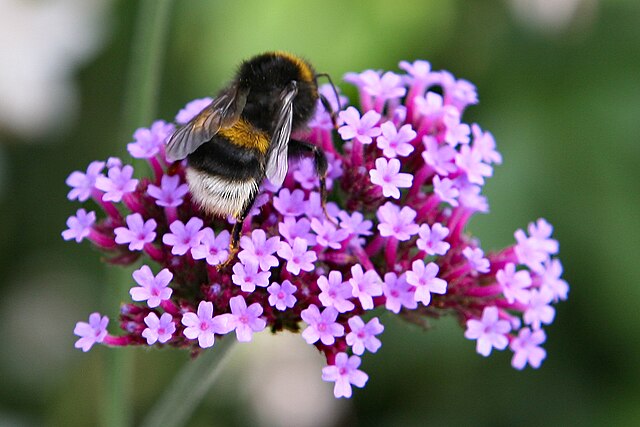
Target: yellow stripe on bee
x=306 y=73
x=245 y=135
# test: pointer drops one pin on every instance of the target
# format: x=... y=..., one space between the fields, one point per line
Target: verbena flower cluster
x=405 y=176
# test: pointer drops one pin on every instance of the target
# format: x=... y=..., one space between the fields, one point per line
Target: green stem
x=139 y=107
x=143 y=81
x=183 y=396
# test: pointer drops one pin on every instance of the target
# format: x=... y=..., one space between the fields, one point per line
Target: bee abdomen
x=218 y=195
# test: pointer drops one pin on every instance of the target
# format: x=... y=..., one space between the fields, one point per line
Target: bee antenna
x=335 y=91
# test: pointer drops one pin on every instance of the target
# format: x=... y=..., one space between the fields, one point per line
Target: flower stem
x=182 y=397
x=138 y=109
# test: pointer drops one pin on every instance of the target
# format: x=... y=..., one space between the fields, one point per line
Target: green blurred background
x=559 y=87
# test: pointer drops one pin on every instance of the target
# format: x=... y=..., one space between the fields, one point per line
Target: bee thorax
x=218 y=195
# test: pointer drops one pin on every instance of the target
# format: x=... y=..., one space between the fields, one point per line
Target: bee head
x=267 y=76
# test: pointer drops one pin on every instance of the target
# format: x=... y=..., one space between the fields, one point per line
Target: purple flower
x=514 y=284
x=248 y=275
x=355 y=223
x=387 y=86
x=470 y=162
x=327 y=234
x=203 y=326
x=117 y=183
x=335 y=293
x=289 y=203
x=192 y=109
x=490 y=331
x=539 y=311
x=526 y=349
x=365 y=286
x=153 y=289
x=91 y=333
x=305 y=174
x=387 y=175
x=419 y=71
x=364 y=336
x=440 y=157
x=551 y=280
x=297 y=256
x=245 y=320
x=291 y=229
x=170 y=192
x=476 y=259
x=82 y=184
x=211 y=248
x=136 y=233
x=148 y=141
x=362 y=129
x=457 y=92
x=431 y=239
x=158 y=329
x=322 y=326
x=534 y=251
x=456 y=133
x=395 y=222
x=430 y=105
x=183 y=237
x=259 y=248
x=394 y=142
x=425 y=281
x=540 y=232
x=445 y=190
x=344 y=373
x=79 y=225
x=470 y=197
x=398 y=293
x=281 y=296
x=484 y=143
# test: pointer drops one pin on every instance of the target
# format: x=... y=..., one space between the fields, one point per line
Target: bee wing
x=277 y=160
x=223 y=112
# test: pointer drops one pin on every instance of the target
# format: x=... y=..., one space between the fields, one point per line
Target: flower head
x=91 y=333
x=82 y=184
x=363 y=336
x=183 y=237
x=117 y=183
x=153 y=289
x=396 y=142
x=203 y=326
x=526 y=348
x=79 y=225
x=387 y=175
x=244 y=320
x=396 y=222
x=344 y=373
x=321 y=326
x=490 y=331
x=149 y=141
x=136 y=233
x=158 y=329
x=281 y=296
x=305 y=260
x=363 y=129
x=260 y=249
x=170 y=192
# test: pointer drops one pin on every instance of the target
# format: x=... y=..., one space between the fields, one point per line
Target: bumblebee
x=244 y=135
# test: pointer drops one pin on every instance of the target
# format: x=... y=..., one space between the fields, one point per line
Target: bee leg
x=236 y=231
x=327 y=106
x=300 y=148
